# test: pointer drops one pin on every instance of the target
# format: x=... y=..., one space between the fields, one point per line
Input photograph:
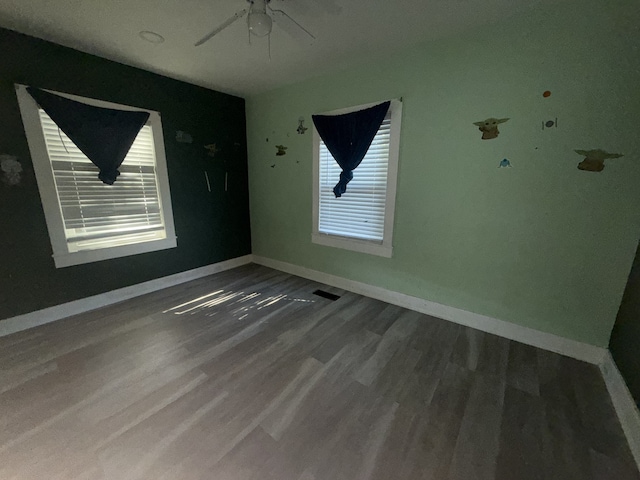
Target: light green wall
x=541 y=244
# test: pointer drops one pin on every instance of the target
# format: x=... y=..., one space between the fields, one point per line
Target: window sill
x=87 y=256
x=353 y=244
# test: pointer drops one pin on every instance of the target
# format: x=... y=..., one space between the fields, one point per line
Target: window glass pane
x=360 y=212
x=96 y=215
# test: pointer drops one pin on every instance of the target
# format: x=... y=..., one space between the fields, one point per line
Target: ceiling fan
x=260 y=20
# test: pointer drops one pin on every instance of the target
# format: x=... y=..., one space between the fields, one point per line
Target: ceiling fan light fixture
x=259 y=24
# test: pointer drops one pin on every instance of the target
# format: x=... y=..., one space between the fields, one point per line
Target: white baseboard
x=621 y=397
x=529 y=336
x=51 y=314
x=624 y=404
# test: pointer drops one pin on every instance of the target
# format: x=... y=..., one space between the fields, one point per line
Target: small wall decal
x=11 y=169
x=594 y=159
x=504 y=163
x=550 y=123
x=183 y=137
x=281 y=150
x=546 y=94
x=212 y=149
x=301 y=128
x=489 y=127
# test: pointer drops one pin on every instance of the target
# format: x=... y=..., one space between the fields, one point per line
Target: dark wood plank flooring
x=248 y=375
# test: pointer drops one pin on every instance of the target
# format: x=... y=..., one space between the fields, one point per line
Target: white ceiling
x=110 y=29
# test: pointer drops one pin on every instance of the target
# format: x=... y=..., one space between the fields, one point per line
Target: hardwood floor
x=249 y=375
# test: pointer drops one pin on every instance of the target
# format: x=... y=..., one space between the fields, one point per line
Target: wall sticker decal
x=212 y=149
x=489 y=127
x=301 y=128
x=281 y=150
x=11 y=169
x=594 y=159
x=504 y=163
x=183 y=137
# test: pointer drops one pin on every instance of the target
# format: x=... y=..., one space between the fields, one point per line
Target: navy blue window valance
x=104 y=135
x=348 y=138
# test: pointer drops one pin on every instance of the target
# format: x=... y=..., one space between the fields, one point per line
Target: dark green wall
x=211 y=226
x=625 y=338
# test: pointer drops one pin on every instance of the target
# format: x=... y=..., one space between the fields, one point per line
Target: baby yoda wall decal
x=11 y=169
x=212 y=149
x=594 y=159
x=489 y=127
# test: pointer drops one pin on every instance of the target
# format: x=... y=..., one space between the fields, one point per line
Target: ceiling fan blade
x=236 y=16
x=289 y=25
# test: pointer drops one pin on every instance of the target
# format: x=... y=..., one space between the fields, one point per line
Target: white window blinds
x=360 y=212
x=96 y=215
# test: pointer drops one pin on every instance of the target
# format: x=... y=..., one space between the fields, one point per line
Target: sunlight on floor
x=245 y=302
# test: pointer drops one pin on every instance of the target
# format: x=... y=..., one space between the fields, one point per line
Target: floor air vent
x=323 y=294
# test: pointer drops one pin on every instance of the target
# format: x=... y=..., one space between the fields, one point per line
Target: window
x=88 y=220
x=362 y=219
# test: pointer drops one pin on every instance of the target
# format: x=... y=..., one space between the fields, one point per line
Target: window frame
x=49 y=196
x=384 y=248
